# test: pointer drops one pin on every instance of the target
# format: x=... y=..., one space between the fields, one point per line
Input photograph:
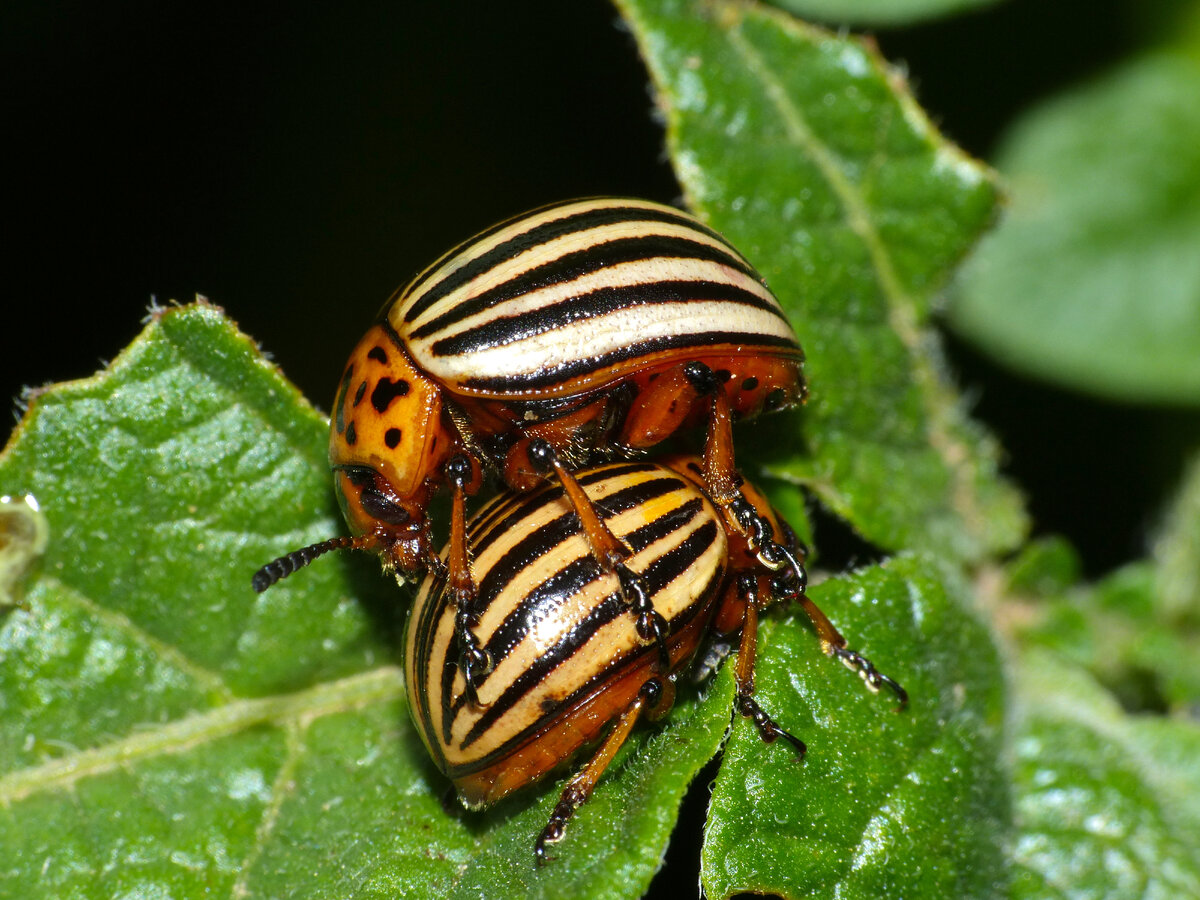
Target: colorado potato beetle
x=584 y=331
x=570 y=668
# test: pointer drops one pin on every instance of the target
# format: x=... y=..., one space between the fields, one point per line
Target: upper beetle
x=586 y=330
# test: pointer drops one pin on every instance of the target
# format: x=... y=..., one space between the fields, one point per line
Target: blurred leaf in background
x=1093 y=278
x=879 y=13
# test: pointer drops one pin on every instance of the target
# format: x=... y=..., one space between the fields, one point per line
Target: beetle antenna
x=278 y=569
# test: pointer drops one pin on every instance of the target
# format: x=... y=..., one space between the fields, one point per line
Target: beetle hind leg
x=654 y=697
x=791 y=582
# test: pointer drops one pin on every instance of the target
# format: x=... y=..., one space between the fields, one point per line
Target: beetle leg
x=608 y=550
x=663 y=406
x=650 y=698
x=475 y=661
x=662 y=409
x=744 y=702
x=791 y=582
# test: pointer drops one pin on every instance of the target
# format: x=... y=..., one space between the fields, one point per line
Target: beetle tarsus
x=572 y=798
x=650 y=624
x=769 y=730
x=474 y=660
x=871 y=676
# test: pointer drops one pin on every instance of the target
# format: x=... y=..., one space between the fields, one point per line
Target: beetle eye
x=382 y=509
x=359 y=476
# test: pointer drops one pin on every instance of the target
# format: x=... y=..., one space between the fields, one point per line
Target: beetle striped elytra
x=570 y=668
x=587 y=330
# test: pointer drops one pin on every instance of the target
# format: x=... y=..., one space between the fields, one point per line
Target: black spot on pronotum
x=378 y=354
x=775 y=399
x=392 y=438
x=351 y=435
x=358 y=395
x=386 y=391
x=339 y=412
x=723 y=375
x=750 y=383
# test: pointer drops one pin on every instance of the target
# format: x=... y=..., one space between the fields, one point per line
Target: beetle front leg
x=607 y=549
x=475 y=661
x=664 y=406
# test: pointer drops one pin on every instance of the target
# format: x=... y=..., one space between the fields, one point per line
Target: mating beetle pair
x=581 y=332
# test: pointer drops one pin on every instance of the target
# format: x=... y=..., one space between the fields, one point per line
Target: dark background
x=295 y=166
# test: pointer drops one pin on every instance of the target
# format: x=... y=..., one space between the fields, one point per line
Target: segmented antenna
x=278 y=569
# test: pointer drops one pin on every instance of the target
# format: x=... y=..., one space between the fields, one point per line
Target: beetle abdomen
x=567 y=657
x=581 y=294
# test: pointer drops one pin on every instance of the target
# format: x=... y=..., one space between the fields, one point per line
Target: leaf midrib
x=380 y=685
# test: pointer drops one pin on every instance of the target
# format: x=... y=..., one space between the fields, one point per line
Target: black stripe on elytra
x=428 y=667
x=533 y=546
x=549 y=377
x=571 y=579
x=662 y=572
x=614 y=470
x=424 y=275
x=638 y=494
x=476 y=267
x=484 y=534
x=608 y=609
x=567 y=582
x=500 y=331
x=668 y=523
x=551 y=534
x=497 y=520
x=586 y=261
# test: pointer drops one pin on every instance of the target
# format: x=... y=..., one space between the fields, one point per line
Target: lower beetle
x=570 y=668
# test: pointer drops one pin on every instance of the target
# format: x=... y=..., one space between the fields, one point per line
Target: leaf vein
x=376 y=686
x=936 y=398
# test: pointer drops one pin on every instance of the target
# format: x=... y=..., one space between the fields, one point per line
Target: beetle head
x=388 y=444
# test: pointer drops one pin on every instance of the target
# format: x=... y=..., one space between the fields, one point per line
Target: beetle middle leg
x=744 y=702
x=790 y=581
x=607 y=549
x=664 y=406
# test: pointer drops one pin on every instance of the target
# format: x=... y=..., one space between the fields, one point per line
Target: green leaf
x=805 y=149
x=1137 y=631
x=886 y=804
x=879 y=12
x=166 y=731
x=1107 y=804
x=1093 y=279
